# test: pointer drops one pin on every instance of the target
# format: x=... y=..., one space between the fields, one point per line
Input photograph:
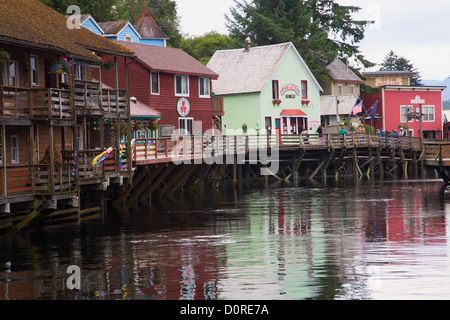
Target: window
x=186 y=125
x=34 y=70
x=428 y=113
x=352 y=89
x=304 y=89
x=275 y=90
x=14 y=149
x=204 y=87
x=404 y=110
x=10 y=74
x=80 y=72
x=268 y=123
x=340 y=89
x=182 y=85
x=155 y=82
x=128 y=38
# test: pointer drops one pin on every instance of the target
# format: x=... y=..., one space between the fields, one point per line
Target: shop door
x=277 y=126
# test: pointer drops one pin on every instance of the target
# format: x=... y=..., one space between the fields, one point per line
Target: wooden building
x=417 y=109
x=266 y=89
x=172 y=82
x=53 y=113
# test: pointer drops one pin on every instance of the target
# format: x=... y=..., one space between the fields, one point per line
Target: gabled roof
x=169 y=60
x=246 y=71
x=31 y=23
x=147 y=27
x=340 y=72
x=116 y=27
x=85 y=17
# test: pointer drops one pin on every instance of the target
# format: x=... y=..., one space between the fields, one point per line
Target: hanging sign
x=183 y=107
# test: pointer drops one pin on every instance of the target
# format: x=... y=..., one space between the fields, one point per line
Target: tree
x=392 y=62
x=202 y=48
x=319 y=29
x=101 y=10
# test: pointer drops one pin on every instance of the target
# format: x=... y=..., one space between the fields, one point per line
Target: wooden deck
x=164 y=150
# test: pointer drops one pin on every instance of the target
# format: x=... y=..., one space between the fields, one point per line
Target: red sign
x=290 y=87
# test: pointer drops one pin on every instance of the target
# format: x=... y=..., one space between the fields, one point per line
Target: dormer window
x=128 y=38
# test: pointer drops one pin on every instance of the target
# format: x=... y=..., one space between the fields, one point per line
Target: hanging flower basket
x=152 y=125
x=108 y=65
x=59 y=66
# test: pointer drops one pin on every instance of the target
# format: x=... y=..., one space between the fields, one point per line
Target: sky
x=414 y=29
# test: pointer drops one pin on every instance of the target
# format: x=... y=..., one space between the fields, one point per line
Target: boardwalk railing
x=197 y=146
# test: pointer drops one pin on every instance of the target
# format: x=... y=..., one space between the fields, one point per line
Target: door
x=186 y=125
x=277 y=126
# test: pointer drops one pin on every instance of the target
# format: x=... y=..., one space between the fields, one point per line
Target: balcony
x=113 y=103
x=16 y=102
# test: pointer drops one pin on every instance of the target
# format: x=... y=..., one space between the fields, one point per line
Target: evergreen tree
x=393 y=62
x=319 y=29
x=101 y=10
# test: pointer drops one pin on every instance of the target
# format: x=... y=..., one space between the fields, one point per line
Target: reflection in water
x=380 y=240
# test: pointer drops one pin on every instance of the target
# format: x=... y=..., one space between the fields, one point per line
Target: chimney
x=248 y=44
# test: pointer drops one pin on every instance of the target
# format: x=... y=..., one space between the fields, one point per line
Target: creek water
x=340 y=240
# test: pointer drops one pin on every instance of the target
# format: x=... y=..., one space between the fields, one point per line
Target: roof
x=346 y=104
x=147 y=27
x=169 y=60
x=339 y=71
x=243 y=71
x=30 y=22
x=114 y=27
x=388 y=73
x=141 y=110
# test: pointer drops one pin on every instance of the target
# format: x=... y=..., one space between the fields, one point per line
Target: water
x=370 y=240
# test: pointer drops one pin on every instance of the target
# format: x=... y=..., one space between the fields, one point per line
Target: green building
x=267 y=89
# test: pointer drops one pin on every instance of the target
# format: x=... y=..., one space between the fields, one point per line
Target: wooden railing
x=35 y=103
x=61 y=181
x=158 y=149
x=87 y=99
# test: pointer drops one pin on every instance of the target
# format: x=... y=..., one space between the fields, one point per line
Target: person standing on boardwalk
x=342 y=133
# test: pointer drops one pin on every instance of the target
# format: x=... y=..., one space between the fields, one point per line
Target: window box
x=276 y=102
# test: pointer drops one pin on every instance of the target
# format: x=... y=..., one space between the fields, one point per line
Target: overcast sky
x=416 y=30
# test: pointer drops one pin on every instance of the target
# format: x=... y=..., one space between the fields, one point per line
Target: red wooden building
x=172 y=82
x=396 y=102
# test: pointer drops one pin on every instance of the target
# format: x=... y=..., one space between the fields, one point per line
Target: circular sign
x=183 y=107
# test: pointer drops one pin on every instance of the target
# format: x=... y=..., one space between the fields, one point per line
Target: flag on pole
x=374 y=110
x=357 y=109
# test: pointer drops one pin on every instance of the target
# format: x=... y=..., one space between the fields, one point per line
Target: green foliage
x=101 y=10
x=319 y=29
x=202 y=48
x=392 y=62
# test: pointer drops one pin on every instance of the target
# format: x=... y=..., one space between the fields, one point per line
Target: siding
x=128 y=30
x=89 y=24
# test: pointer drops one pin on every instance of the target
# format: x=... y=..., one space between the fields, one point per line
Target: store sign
x=290 y=87
x=388 y=81
x=183 y=107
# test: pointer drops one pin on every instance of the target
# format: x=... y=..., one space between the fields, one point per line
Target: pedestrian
x=305 y=135
x=362 y=131
x=320 y=132
x=342 y=134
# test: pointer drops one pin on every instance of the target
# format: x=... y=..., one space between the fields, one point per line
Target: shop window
x=186 y=125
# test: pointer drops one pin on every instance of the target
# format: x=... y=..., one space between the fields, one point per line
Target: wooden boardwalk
x=185 y=148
